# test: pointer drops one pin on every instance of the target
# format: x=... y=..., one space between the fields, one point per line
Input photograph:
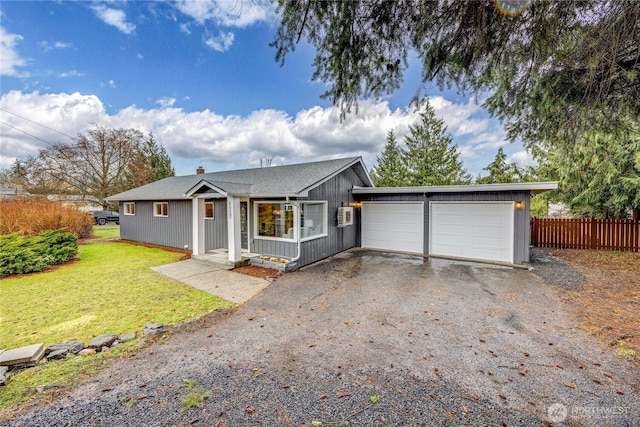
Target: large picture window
x=313 y=219
x=275 y=220
x=161 y=209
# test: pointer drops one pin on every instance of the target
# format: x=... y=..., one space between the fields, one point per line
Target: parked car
x=102 y=217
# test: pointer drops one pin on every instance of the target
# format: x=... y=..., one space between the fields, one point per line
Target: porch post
x=233 y=228
x=198 y=226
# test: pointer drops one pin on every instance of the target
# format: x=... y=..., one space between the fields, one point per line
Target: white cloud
x=223 y=142
x=522 y=158
x=221 y=43
x=184 y=27
x=46 y=46
x=66 y=113
x=10 y=59
x=72 y=73
x=166 y=102
x=227 y=13
x=114 y=17
x=113 y=84
x=139 y=56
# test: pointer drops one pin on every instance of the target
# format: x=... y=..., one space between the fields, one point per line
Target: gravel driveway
x=432 y=343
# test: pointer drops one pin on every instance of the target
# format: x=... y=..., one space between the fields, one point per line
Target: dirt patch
x=608 y=304
x=257 y=271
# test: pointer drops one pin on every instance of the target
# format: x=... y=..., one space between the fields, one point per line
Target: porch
x=221 y=256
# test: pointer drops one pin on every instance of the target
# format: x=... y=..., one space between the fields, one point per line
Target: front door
x=244 y=226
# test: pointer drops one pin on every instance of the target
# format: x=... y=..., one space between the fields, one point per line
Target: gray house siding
x=521 y=217
x=274 y=248
x=215 y=230
x=173 y=230
x=336 y=192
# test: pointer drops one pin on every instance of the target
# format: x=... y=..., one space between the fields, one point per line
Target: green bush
x=21 y=254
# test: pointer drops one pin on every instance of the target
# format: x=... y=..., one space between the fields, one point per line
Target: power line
x=25 y=132
x=35 y=123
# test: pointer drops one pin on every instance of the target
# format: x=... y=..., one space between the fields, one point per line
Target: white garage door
x=393 y=226
x=478 y=230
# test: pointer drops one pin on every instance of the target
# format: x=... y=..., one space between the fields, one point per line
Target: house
x=7 y=193
x=308 y=212
x=84 y=203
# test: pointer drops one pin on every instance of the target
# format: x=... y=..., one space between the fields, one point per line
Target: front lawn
x=109 y=289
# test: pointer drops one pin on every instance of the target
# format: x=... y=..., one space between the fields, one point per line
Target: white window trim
x=296 y=221
x=155 y=212
x=326 y=219
x=213 y=211
x=126 y=211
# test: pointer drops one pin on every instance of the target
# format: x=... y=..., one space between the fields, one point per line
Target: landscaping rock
x=70 y=346
x=23 y=356
x=127 y=337
x=4 y=377
x=87 y=352
x=57 y=355
x=154 y=329
x=104 y=340
x=104 y=349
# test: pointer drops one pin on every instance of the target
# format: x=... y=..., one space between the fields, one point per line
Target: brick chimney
x=200 y=170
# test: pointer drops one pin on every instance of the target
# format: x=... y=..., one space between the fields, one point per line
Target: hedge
x=21 y=254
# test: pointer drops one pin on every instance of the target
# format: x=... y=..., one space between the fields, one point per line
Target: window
x=161 y=209
x=208 y=210
x=313 y=219
x=275 y=220
x=129 y=208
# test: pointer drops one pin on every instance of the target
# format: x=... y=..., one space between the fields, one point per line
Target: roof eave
x=337 y=172
x=202 y=183
x=533 y=187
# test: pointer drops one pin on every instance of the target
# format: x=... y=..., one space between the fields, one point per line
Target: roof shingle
x=289 y=180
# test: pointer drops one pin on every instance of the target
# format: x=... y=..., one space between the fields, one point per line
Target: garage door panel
x=472 y=230
x=393 y=226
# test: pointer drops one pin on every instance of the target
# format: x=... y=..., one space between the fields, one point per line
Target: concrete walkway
x=215 y=279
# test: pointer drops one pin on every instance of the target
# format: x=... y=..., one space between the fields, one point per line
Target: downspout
x=297 y=205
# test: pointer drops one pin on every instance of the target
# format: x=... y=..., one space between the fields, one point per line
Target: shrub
x=21 y=254
x=32 y=216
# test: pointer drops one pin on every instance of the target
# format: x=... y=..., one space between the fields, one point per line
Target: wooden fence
x=586 y=233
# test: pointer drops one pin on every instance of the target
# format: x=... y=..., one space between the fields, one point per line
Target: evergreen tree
x=390 y=170
x=430 y=157
x=500 y=171
x=599 y=174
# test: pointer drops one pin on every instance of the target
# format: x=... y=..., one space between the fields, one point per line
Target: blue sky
x=202 y=77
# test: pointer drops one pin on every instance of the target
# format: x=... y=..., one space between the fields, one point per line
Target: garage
x=394 y=226
x=481 y=222
x=480 y=230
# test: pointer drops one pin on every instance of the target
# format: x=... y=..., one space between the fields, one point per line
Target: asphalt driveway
x=369 y=338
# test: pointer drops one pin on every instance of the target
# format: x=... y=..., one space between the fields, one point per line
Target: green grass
x=111 y=289
x=106 y=231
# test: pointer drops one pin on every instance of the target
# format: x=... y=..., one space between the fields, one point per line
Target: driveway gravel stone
x=432 y=342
